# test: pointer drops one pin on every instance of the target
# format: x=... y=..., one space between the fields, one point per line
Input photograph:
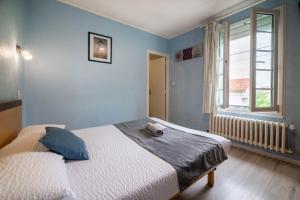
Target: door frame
x=167 y=80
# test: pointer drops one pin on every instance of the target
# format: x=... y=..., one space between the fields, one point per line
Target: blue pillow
x=65 y=143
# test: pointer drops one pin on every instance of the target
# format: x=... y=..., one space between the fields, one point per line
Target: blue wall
x=11 y=28
x=293 y=69
x=62 y=86
x=186 y=96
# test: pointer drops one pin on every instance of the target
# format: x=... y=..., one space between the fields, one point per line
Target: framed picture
x=179 y=56
x=100 y=48
x=197 y=50
x=187 y=53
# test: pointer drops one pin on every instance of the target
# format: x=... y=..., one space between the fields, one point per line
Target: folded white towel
x=155 y=129
x=160 y=127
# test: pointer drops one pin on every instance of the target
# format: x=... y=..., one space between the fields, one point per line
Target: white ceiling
x=166 y=18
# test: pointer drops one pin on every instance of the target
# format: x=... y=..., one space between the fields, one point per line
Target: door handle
x=149 y=91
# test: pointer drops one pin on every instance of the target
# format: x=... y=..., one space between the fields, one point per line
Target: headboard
x=10 y=121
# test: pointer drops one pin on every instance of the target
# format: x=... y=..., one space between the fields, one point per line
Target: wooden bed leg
x=211 y=178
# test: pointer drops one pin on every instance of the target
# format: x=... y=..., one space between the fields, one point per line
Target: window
x=248 y=63
x=239 y=65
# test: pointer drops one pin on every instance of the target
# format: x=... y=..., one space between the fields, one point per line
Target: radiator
x=264 y=134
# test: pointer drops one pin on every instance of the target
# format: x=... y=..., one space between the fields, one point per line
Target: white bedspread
x=120 y=169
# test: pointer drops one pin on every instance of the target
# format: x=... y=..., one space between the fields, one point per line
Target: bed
x=119 y=168
x=133 y=172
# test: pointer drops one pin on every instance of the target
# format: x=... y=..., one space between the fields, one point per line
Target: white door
x=157 y=88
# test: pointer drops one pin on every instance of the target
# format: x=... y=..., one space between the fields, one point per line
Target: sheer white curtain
x=210 y=68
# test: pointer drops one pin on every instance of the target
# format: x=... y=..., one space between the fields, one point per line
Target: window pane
x=240 y=29
x=264 y=41
x=263 y=60
x=220 y=97
x=264 y=22
x=263 y=98
x=220 y=67
x=263 y=79
x=220 y=82
x=239 y=63
x=239 y=92
x=239 y=45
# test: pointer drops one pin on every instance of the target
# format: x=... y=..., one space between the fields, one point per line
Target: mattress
x=120 y=169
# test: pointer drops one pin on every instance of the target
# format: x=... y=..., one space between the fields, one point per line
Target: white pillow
x=34 y=176
x=28 y=140
x=25 y=143
x=38 y=129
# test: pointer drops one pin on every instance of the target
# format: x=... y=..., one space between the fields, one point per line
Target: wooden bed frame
x=210 y=181
x=10 y=121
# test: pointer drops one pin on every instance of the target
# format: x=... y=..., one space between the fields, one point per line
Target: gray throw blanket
x=191 y=155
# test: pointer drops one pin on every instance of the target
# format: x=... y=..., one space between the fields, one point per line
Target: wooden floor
x=247 y=175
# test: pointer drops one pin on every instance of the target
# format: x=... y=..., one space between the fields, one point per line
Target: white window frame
x=226 y=66
x=277 y=109
x=274 y=107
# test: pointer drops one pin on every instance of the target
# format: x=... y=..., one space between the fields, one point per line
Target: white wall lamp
x=25 y=53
